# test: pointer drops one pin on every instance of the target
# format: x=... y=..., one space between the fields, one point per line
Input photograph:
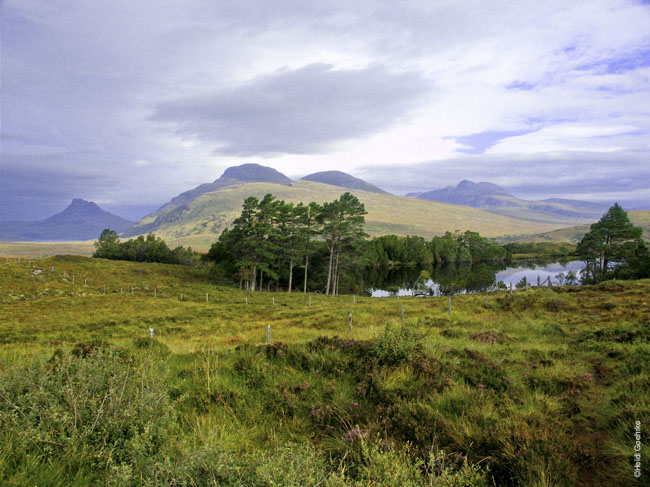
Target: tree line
x=142 y=249
x=446 y=249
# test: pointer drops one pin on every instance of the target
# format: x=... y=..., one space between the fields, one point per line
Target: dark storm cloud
x=298 y=111
x=606 y=177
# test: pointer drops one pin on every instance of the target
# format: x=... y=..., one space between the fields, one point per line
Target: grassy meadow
x=539 y=388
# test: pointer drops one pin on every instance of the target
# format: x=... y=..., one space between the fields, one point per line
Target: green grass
x=540 y=388
x=32 y=250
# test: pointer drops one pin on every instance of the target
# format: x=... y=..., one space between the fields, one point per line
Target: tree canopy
x=614 y=248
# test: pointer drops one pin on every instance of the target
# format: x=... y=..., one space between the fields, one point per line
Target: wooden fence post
x=402 y=313
x=354 y=298
x=510 y=289
x=449 y=306
x=350 y=321
x=268 y=333
x=155 y=292
x=539 y=283
x=151 y=332
x=181 y=296
x=206 y=298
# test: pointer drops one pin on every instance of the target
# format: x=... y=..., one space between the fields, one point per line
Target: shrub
x=91 y=412
x=397 y=344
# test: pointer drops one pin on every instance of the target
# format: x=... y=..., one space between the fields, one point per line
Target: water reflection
x=462 y=278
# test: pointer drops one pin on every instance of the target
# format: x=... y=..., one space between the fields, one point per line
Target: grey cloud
x=298 y=111
x=35 y=187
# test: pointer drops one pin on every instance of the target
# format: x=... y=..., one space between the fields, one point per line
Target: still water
x=462 y=278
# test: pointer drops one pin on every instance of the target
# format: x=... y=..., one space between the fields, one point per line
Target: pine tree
x=612 y=247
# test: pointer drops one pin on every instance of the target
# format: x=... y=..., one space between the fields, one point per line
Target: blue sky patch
x=478 y=143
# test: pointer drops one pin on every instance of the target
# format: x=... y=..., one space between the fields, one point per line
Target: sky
x=130 y=103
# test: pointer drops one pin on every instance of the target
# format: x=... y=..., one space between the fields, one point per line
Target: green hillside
x=199 y=222
x=575 y=233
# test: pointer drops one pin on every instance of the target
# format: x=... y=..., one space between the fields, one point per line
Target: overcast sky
x=128 y=103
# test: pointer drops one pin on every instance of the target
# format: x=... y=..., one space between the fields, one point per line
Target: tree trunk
x=306 y=267
x=336 y=275
x=290 y=274
x=329 y=270
x=261 y=276
x=253 y=278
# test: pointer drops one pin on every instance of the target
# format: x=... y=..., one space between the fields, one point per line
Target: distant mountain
x=81 y=220
x=177 y=207
x=344 y=180
x=465 y=193
x=495 y=199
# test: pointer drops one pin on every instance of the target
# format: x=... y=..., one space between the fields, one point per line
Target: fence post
x=181 y=296
x=104 y=288
x=487 y=292
x=206 y=297
x=539 y=283
x=510 y=289
x=155 y=292
x=268 y=333
x=350 y=321
x=550 y=284
x=246 y=299
x=151 y=332
x=449 y=306
x=273 y=299
x=402 y=313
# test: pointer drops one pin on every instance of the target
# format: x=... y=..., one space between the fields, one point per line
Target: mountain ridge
x=343 y=180
x=80 y=220
x=495 y=199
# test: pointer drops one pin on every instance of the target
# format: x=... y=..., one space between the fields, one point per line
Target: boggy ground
x=539 y=388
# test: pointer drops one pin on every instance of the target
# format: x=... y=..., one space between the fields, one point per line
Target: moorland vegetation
x=539 y=387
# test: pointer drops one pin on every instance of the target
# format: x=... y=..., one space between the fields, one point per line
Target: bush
x=397 y=344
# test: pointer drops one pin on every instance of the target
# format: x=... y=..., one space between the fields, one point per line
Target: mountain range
x=197 y=217
x=495 y=199
x=81 y=220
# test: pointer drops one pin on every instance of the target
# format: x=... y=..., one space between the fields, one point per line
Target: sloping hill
x=344 y=180
x=495 y=199
x=173 y=211
x=201 y=221
x=640 y=218
x=81 y=220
